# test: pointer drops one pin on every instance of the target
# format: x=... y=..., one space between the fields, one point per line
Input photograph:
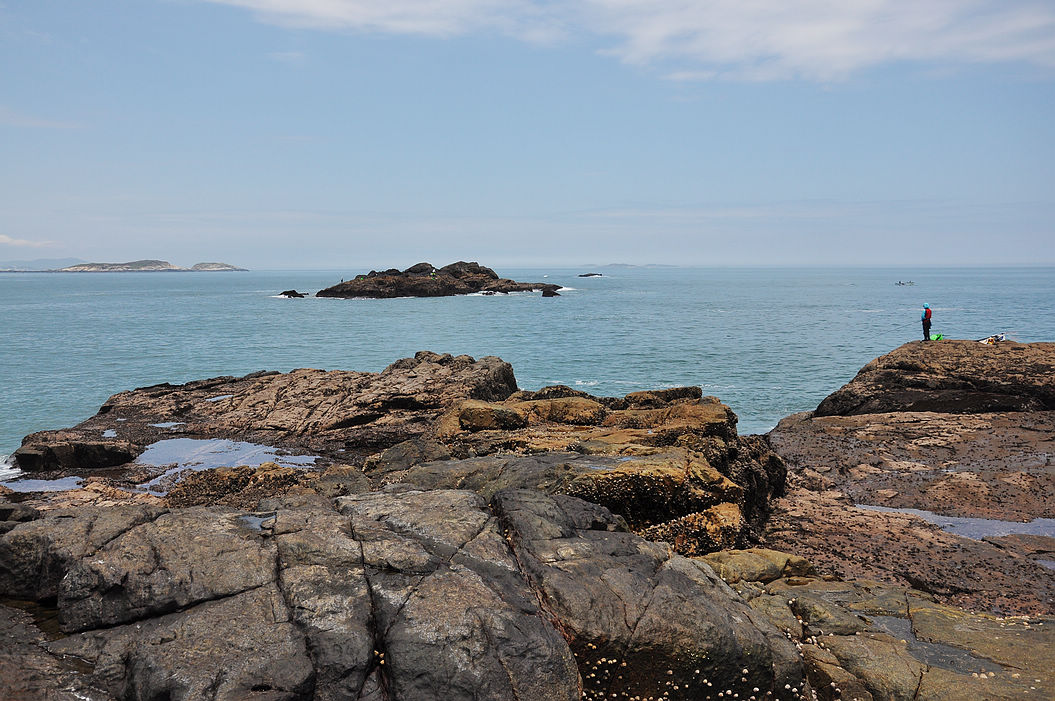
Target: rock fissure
x=376 y=666
x=123 y=531
x=498 y=656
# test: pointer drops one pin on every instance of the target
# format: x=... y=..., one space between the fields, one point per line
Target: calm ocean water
x=768 y=342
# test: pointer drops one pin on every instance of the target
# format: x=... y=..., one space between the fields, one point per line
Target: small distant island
x=145 y=266
x=426 y=280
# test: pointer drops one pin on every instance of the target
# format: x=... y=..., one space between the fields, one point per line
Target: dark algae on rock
x=425 y=280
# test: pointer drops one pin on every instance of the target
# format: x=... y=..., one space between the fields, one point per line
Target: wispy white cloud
x=293 y=58
x=528 y=19
x=825 y=39
x=11 y=118
x=705 y=39
x=4 y=239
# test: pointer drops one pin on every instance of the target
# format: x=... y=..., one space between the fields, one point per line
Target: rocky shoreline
x=433 y=531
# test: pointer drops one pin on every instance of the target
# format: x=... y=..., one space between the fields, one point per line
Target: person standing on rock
x=925 y=318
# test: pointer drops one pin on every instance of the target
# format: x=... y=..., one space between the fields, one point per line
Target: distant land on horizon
x=38 y=264
x=631 y=265
x=135 y=266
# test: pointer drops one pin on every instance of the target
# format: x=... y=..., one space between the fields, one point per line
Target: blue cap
x=926 y=306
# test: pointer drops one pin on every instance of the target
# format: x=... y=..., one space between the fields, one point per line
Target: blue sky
x=356 y=134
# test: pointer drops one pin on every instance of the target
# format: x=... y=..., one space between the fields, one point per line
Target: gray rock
x=35 y=556
x=239 y=647
x=614 y=595
x=181 y=559
x=453 y=615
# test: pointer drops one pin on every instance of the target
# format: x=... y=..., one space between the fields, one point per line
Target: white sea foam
x=587 y=383
x=567 y=289
x=7 y=468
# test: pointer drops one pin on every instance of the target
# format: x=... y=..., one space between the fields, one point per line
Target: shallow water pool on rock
x=179 y=454
x=936 y=654
x=59 y=485
x=975 y=528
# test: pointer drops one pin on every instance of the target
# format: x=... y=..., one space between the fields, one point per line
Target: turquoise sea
x=768 y=342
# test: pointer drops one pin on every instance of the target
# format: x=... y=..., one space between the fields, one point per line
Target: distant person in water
x=925 y=318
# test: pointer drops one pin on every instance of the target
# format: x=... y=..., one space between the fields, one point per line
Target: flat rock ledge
x=954 y=428
x=426 y=280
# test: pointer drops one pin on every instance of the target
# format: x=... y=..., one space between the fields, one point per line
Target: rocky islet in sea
x=426 y=280
x=461 y=538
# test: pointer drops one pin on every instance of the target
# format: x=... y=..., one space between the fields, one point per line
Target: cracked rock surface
x=394 y=594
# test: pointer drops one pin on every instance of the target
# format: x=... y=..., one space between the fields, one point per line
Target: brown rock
x=336 y=414
x=854 y=543
x=424 y=280
x=951 y=377
x=757 y=565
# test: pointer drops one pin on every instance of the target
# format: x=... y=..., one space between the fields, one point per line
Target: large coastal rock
x=952 y=429
x=668 y=461
x=400 y=594
x=334 y=414
x=459 y=538
x=425 y=280
x=951 y=377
